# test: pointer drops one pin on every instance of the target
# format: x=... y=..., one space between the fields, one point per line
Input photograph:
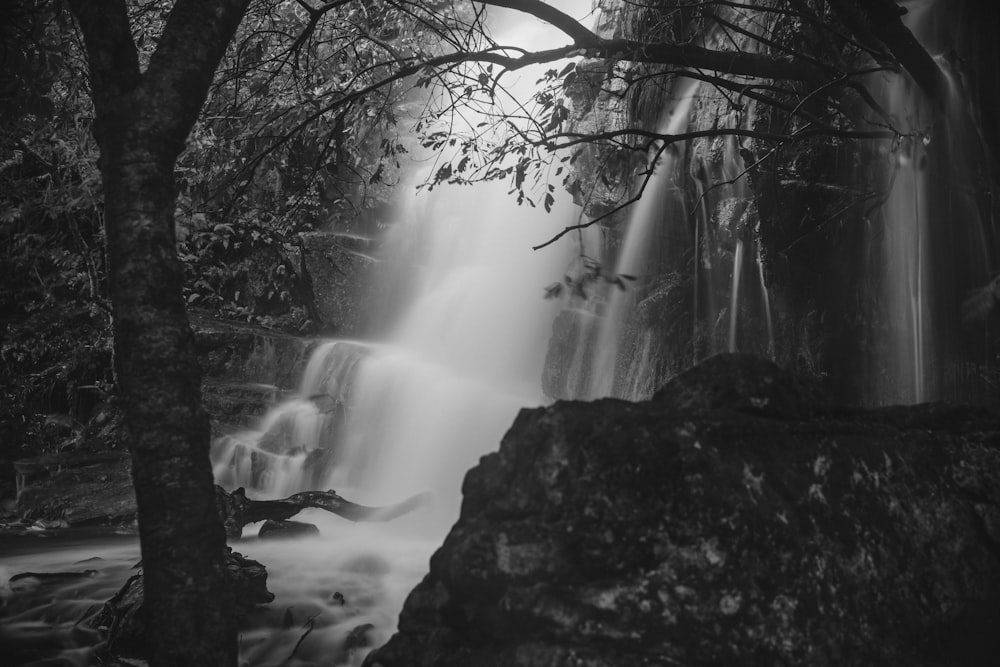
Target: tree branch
x=181 y=69
x=881 y=19
x=236 y=510
x=111 y=54
x=549 y=14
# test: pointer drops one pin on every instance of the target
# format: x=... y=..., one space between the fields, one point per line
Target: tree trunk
x=142 y=120
x=190 y=614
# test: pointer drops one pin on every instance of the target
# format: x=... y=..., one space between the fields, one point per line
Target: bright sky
x=520 y=29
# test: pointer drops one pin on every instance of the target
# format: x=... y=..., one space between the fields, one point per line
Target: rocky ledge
x=721 y=523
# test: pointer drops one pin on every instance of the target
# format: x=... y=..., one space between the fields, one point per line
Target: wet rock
x=238 y=405
x=704 y=528
x=742 y=382
x=342 y=270
x=359 y=637
x=76 y=490
x=280 y=530
x=121 y=617
x=234 y=353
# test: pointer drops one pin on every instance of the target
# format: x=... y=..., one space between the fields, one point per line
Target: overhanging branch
x=882 y=20
x=549 y=14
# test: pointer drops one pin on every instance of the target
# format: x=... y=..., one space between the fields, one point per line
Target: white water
x=411 y=413
x=905 y=256
x=634 y=258
x=734 y=295
x=405 y=416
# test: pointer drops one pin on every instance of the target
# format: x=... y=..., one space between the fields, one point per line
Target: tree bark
x=141 y=123
x=236 y=510
x=881 y=20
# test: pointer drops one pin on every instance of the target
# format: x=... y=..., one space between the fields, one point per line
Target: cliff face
x=783 y=248
x=734 y=519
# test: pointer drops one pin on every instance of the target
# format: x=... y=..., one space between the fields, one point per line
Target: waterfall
x=411 y=412
x=734 y=295
x=935 y=241
x=634 y=260
x=905 y=258
x=380 y=421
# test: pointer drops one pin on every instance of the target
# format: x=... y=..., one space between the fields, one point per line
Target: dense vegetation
x=272 y=155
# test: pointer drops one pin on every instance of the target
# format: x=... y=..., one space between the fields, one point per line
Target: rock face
x=231 y=352
x=751 y=525
x=342 y=271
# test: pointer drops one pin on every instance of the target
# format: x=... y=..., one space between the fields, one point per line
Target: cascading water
x=905 y=255
x=934 y=240
x=734 y=296
x=381 y=421
x=611 y=375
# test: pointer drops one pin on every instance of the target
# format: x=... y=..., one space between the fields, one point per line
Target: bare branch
x=881 y=19
x=549 y=14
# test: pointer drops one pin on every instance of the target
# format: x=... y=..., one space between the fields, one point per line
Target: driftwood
x=236 y=510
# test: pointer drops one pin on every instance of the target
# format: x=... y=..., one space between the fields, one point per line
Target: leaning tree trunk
x=142 y=120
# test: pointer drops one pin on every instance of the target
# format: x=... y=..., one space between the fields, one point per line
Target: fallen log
x=237 y=510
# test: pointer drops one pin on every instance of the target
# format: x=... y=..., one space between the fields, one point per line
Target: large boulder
x=720 y=527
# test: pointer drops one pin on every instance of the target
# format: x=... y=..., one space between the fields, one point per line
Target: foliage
x=586 y=274
x=281 y=147
x=50 y=211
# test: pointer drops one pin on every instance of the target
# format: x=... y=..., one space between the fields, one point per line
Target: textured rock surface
x=237 y=353
x=712 y=527
x=342 y=270
x=89 y=490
